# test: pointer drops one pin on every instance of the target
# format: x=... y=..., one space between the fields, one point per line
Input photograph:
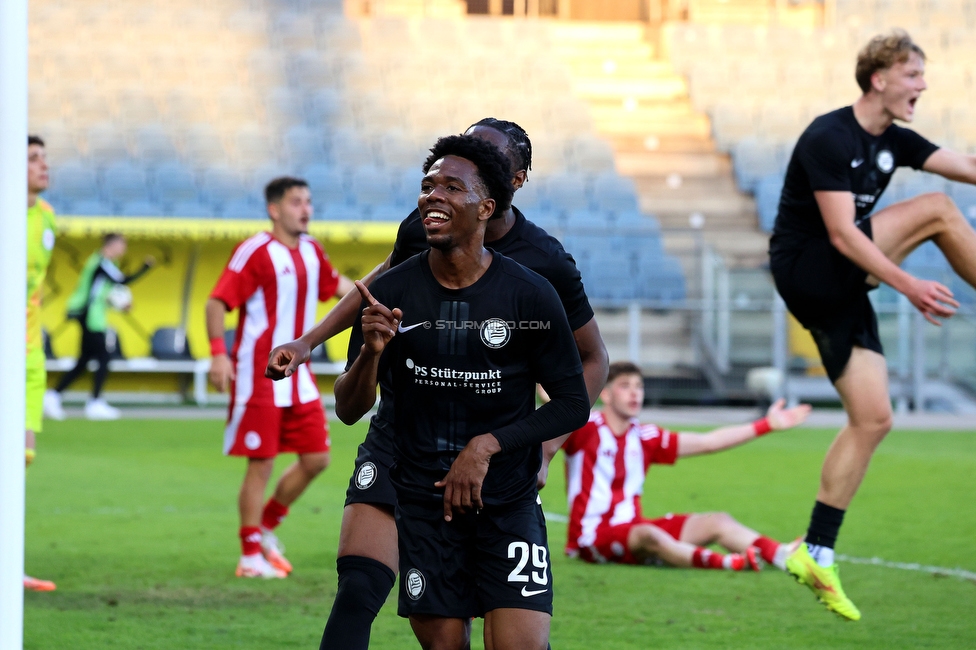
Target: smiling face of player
x=37 y=170
x=454 y=204
x=290 y=214
x=624 y=396
x=900 y=86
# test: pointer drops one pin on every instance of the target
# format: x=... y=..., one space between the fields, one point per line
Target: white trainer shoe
x=99 y=409
x=255 y=566
x=274 y=551
x=52 y=405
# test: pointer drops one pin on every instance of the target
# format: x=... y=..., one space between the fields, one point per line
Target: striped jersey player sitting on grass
x=606 y=464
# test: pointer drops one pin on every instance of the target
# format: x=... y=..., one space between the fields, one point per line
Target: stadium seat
x=304 y=145
x=531 y=196
x=152 y=143
x=140 y=208
x=75 y=180
x=105 y=142
x=591 y=154
x=252 y=145
x=91 y=207
x=284 y=107
x=243 y=209
x=323 y=107
x=567 y=191
x=327 y=183
x=190 y=209
x=124 y=181
x=220 y=185
x=202 y=145
x=964 y=195
x=754 y=158
x=174 y=183
x=586 y=220
x=169 y=343
x=768 y=191
x=389 y=212
x=614 y=193
x=371 y=186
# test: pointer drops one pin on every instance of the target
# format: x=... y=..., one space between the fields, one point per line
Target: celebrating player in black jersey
x=367 y=555
x=827 y=251
x=469 y=335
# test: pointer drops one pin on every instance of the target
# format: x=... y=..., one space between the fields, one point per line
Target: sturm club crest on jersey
x=366 y=476
x=885 y=161
x=495 y=333
x=415 y=583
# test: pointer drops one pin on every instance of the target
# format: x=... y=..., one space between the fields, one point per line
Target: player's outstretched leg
x=900 y=228
x=647 y=541
x=723 y=529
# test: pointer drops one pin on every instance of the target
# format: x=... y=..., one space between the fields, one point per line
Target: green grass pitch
x=136 y=521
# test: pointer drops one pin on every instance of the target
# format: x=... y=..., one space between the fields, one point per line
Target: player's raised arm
x=777 y=418
x=355 y=389
x=953 y=165
x=285 y=359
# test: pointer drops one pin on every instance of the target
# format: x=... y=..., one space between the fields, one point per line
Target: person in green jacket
x=89 y=306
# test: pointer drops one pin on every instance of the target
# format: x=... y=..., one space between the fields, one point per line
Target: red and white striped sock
x=250 y=540
x=273 y=513
x=767 y=548
x=703 y=558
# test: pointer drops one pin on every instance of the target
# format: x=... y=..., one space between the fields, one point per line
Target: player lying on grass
x=606 y=463
x=828 y=250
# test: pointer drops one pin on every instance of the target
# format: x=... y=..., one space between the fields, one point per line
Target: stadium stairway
x=641 y=105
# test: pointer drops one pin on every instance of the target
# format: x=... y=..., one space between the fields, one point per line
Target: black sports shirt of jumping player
x=527 y=244
x=835 y=154
x=465 y=362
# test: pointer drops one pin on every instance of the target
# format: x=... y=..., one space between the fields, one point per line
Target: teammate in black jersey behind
x=469 y=336
x=827 y=251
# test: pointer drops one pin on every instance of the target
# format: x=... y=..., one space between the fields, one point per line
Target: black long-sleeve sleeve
x=567 y=410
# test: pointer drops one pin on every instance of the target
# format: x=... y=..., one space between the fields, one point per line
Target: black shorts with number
x=828 y=294
x=475 y=563
x=370 y=481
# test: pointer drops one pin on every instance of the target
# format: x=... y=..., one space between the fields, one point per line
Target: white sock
x=779 y=558
x=824 y=555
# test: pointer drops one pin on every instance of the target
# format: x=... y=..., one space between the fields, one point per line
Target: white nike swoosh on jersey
x=856 y=163
x=401 y=328
x=533 y=593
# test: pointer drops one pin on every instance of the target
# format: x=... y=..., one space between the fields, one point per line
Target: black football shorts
x=828 y=294
x=476 y=563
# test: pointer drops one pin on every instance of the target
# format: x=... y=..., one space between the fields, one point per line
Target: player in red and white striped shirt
x=606 y=463
x=276 y=280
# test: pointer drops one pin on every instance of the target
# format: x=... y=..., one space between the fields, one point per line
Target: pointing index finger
x=364 y=292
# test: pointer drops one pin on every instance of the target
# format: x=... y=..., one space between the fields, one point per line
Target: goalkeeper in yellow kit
x=40 y=244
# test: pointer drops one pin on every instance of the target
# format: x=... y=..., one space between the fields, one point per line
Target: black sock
x=825 y=523
x=364 y=585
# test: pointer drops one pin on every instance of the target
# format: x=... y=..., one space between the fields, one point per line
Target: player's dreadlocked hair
x=518 y=140
x=494 y=168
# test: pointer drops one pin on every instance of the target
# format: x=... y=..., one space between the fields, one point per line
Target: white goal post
x=13 y=322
